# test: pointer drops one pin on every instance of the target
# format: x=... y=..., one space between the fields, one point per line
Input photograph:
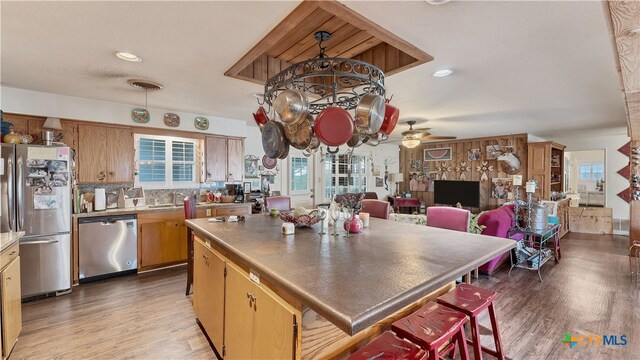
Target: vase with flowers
x=352 y=204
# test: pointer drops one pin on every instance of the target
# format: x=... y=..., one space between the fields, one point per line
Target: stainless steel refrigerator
x=36 y=187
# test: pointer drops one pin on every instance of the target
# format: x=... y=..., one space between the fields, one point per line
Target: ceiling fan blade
x=423 y=129
x=431 y=137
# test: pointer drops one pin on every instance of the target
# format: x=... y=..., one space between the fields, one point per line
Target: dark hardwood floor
x=147 y=316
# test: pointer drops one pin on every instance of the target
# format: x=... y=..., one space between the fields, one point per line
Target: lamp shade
x=52 y=123
x=410 y=143
x=399 y=177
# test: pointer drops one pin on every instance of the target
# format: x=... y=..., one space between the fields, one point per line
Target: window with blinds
x=342 y=175
x=165 y=161
x=299 y=178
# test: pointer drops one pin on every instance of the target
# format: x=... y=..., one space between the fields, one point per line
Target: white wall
x=30 y=102
x=610 y=142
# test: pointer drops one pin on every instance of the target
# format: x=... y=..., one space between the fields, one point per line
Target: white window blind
x=165 y=161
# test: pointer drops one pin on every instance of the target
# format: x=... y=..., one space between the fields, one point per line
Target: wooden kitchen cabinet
x=105 y=154
x=11 y=305
x=546 y=166
x=27 y=124
x=208 y=295
x=223 y=157
x=261 y=324
x=162 y=239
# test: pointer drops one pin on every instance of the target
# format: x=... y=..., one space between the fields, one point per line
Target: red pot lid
x=391 y=115
x=334 y=126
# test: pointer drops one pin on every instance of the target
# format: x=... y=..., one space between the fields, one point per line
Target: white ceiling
x=537 y=67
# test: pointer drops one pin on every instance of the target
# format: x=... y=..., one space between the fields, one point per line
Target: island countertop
x=353 y=282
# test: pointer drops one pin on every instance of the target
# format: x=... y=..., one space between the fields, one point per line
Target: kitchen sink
x=162 y=206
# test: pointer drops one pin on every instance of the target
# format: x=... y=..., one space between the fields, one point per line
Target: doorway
x=585 y=176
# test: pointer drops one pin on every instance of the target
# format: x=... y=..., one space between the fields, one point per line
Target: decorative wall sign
x=416 y=165
x=462 y=169
x=250 y=167
x=474 y=154
x=484 y=168
x=140 y=116
x=201 y=123
x=439 y=154
x=625 y=172
x=502 y=188
x=443 y=169
x=171 y=120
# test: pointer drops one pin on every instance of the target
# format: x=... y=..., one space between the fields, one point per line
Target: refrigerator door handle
x=19 y=195
x=39 y=242
x=11 y=193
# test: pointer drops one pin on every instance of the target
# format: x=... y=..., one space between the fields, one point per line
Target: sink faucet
x=177 y=196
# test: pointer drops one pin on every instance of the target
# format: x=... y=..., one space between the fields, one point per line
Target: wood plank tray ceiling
x=352 y=36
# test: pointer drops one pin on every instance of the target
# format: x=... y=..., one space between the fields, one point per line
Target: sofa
x=497 y=222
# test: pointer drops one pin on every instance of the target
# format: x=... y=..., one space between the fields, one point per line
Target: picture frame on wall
x=251 y=167
x=379 y=182
x=502 y=188
x=474 y=154
x=246 y=187
x=438 y=154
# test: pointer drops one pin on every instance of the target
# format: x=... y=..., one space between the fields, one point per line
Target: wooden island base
x=323 y=340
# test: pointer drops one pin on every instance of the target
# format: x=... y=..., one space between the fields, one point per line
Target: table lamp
x=397 y=178
x=47 y=133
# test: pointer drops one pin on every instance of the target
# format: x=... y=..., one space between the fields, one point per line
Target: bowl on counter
x=306 y=220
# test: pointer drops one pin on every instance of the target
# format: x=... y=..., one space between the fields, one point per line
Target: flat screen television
x=451 y=192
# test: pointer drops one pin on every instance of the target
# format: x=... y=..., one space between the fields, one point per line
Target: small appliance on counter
x=237 y=191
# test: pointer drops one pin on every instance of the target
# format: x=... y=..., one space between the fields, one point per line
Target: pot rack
x=327 y=81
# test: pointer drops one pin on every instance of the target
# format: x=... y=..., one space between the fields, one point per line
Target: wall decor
x=493 y=151
x=266 y=180
x=462 y=169
x=250 y=167
x=269 y=163
x=246 y=186
x=625 y=194
x=438 y=154
x=443 y=169
x=140 y=116
x=625 y=172
x=416 y=165
x=502 y=188
x=201 y=123
x=417 y=182
x=431 y=177
x=255 y=184
x=425 y=167
x=625 y=149
x=484 y=168
x=474 y=154
x=379 y=182
x=171 y=120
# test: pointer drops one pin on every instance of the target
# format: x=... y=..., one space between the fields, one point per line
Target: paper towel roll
x=100 y=201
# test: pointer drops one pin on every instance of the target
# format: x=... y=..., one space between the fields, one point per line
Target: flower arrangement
x=352 y=201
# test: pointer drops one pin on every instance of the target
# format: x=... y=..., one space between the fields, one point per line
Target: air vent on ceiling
x=145 y=84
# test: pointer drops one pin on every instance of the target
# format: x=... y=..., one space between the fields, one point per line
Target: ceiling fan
x=413 y=137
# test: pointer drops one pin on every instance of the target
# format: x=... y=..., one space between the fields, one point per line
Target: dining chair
x=451 y=218
x=189 y=213
x=280 y=203
x=376 y=208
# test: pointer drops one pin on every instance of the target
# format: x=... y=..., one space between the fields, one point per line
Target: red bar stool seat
x=471 y=301
x=432 y=326
x=388 y=346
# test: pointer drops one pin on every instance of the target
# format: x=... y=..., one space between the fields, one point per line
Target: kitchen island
x=340 y=291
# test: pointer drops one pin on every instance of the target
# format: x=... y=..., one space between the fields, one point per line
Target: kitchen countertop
x=7 y=239
x=353 y=282
x=137 y=210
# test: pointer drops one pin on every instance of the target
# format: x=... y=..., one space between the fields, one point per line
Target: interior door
x=300 y=179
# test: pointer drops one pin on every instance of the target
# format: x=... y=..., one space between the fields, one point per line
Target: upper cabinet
x=33 y=125
x=223 y=157
x=546 y=165
x=105 y=154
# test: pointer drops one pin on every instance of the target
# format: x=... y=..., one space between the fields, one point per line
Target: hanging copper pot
x=274 y=140
x=299 y=135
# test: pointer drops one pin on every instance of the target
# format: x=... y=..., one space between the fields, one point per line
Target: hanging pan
x=261 y=117
x=370 y=113
x=274 y=140
x=291 y=106
x=299 y=135
x=334 y=126
x=391 y=115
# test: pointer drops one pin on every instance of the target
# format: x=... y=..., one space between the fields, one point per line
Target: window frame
x=308 y=184
x=169 y=162
x=334 y=169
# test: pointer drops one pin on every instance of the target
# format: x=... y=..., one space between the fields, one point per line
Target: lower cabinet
x=162 y=238
x=208 y=291
x=11 y=306
x=244 y=320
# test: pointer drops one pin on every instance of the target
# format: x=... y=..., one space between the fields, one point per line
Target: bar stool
x=432 y=326
x=388 y=346
x=471 y=301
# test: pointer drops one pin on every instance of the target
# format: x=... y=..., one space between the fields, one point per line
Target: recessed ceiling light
x=437 y=2
x=127 y=56
x=443 y=73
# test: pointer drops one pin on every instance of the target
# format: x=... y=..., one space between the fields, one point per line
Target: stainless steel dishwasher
x=107 y=246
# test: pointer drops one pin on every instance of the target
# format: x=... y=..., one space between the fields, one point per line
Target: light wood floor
x=148 y=317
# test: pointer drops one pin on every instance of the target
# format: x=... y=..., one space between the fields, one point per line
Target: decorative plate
x=268 y=162
x=201 y=123
x=140 y=116
x=171 y=120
